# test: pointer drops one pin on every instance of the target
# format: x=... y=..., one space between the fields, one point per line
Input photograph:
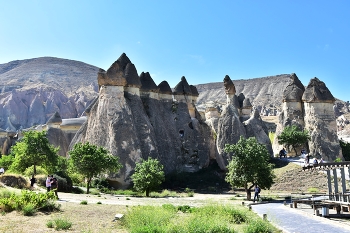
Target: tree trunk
x=249 y=195
x=248 y=191
x=147 y=192
x=34 y=169
x=88 y=186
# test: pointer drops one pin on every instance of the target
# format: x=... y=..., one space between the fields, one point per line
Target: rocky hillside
x=32 y=90
x=266 y=91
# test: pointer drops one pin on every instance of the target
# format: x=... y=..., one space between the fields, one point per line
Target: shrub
x=63 y=186
x=14 y=181
x=76 y=178
x=94 y=192
x=66 y=183
x=29 y=200
x=62 y=224
x=50 y=224
x=84 y=202
x=77 y=190
x=100 y=183
x=5 y=193
x=6 y=161
x=99 y=203
x=30 y=171
x=29 y=210
x=337 y=160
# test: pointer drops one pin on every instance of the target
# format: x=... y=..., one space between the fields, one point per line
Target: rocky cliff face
x=33 y=90
x=260 y=91
x=133 y=123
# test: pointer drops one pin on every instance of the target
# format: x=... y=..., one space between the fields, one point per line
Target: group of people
x=52 y=184
x=307 y=158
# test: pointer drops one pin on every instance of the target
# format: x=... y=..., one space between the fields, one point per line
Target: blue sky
x=201 y=40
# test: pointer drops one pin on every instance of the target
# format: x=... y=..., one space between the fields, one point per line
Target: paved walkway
x=296 y=221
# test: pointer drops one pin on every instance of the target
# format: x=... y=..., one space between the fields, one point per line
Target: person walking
x=256 y=192
x=2 y=170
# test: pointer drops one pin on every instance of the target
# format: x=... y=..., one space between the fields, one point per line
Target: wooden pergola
x=334 y=166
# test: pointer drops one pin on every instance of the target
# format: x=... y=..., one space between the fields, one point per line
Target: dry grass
x=85 y=218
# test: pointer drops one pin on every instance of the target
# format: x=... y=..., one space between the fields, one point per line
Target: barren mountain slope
x=65 y=75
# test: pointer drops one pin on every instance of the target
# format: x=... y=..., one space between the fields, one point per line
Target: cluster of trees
x=249 y=165
x=86 y=159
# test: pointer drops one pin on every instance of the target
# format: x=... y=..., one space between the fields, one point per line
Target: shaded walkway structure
x=336 y=198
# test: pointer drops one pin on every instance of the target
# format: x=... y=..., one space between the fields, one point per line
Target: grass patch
x=210 y=218
x=313 y=190
x=94 y=191
x=164 y=193
x=83 y=202
x=62 y=224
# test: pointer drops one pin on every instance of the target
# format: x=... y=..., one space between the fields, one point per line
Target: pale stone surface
x=255 y=127
x=135 y=127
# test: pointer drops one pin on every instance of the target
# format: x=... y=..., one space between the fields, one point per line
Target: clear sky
x=199 y=39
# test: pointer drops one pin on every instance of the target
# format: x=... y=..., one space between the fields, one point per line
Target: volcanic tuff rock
x=34 y=89
x=320 y=121
x=310 y=109
x=136 y=123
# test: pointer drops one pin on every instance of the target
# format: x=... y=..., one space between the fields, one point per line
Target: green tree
x=249 y=165
x=293 y=136
x=148 y=175
x=91 y=161
x=345 y=147
x=34 y=149
x=6 y=161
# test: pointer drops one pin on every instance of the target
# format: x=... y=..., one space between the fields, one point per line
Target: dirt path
x=196 y=200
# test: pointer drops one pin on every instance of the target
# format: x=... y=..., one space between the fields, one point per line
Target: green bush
x=100 y=183
x=83 y=202
x=29 y=210
x=29 y=200
x=77 y=190
x=5 y=193
x=63 y=186
x=30 y=171
x=66 y=183
x=62 y=224
x=50 y=224
x=6 y=161
x=77 y=179
x=94 y=191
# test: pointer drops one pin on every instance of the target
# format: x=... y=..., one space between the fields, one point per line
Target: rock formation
x=310 y=109
x=292 y=112
x=320 y=121
x=256 y=128
x=139 y=119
